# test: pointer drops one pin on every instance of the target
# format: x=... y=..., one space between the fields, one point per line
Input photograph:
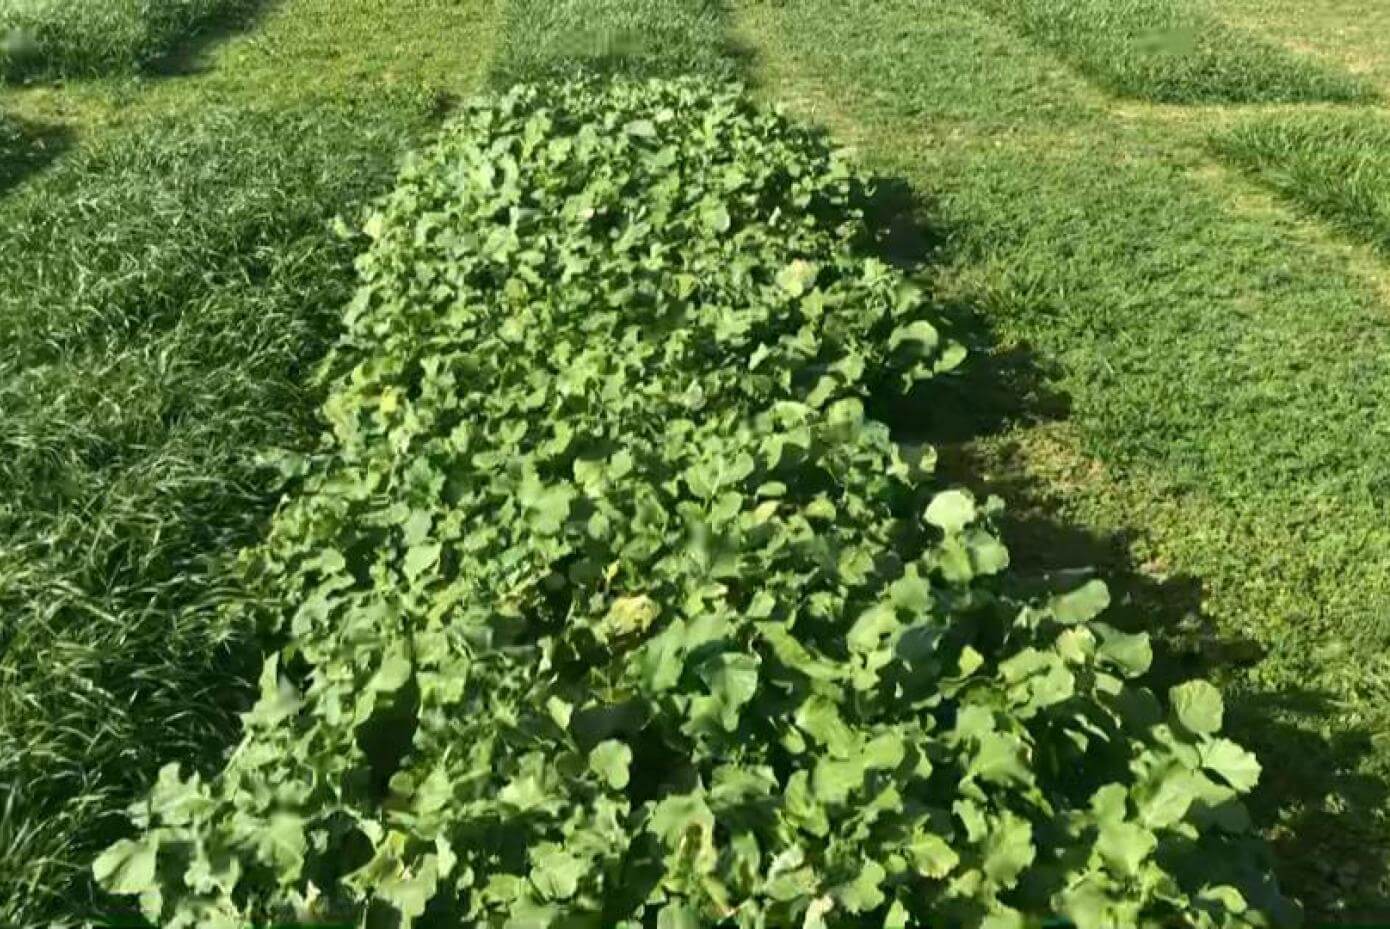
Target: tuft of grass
x=1180 y=385
x=1334 y=165
x=645 y=38
x=171 y=289
x=1169 y=51
x=69 y=38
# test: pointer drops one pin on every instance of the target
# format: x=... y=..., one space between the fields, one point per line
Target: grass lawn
x=173 y=282
x=1354 y=34
x=1335 y=165
x=1187 y=381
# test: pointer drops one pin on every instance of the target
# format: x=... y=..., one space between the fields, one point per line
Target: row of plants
x=607 y=603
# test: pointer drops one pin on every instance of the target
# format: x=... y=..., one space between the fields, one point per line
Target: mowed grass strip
x=1170 y=51
x=71 y=38
x=1334 y=165
x=635 y=38
x=1218 y=370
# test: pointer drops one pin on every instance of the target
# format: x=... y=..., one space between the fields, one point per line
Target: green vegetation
x=84 y=37
x=177 y=283
x=660 y=627
x=1169 y=51
x=1336 y=165
x=552 y=38
x=1177 y=383
x=167 y=289
x=1353 y=33
x=1186 y=391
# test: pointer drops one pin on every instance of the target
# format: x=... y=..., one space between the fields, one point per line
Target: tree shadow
x=191 y=55
x=1316 y=805
x=27 y=147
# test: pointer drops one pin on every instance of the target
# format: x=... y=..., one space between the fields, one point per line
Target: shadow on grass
x=191 y=55
x=26 y=147
x=1316 y=807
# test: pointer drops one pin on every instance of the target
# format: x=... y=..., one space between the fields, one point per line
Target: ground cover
x=1156 y=338
x=660 y=628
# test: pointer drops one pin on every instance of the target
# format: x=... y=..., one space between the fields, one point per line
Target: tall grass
x=1170 y=51
x=85 y=37
x=163 y=298
x=547 y=38
x=1334 y=165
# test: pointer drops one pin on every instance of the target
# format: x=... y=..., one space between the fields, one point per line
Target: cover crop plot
x=607 y=603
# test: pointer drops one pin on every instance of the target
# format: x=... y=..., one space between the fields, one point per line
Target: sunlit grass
x=1171 y=51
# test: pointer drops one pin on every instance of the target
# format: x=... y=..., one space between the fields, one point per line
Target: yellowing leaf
x=630 y=616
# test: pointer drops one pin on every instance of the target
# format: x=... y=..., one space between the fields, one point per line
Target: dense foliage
x=1171 y=51
x=606 y=605
x=164 y=295
x=81 y=37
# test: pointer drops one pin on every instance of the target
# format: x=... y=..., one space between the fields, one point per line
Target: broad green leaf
x=951 y=510
x=1169 y=799
x=555 y=872
x=921 y=336
x=1125 y=846
x=677 y=915
x=864 y=893
x=395 y=670
x=1083 y=604
x=419 y=559
x=832 y=781
x=630 y=616
x=128 y=866
x=797 y=277
x=610 y=760
x=679 y=814
x=819 y=718
x=932 y=856
x=1237 y=767
x=1198 y=706
x=1008 y=849
x=1131 y=652
x=1000 y=760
